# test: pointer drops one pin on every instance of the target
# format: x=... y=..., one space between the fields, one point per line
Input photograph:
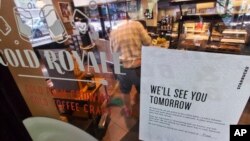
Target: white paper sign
x=191 y=96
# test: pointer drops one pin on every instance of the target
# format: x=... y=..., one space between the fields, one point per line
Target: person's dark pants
x=131 y=78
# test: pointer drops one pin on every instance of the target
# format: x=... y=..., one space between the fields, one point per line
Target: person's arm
x=111 y=42
x=145 y=38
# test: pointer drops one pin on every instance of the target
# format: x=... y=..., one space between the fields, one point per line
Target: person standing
x=127 y=39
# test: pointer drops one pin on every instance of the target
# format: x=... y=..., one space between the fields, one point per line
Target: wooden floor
x=245 y=117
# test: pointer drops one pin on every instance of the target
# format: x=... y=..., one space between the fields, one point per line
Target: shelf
x=208 y=17
x=228 y=31
x=164 y=30
x=205 y=17
x=202 y=14
x=233 y=41
x=181 y=2
x=219 y=48
x=196 y=31
x=196 y=37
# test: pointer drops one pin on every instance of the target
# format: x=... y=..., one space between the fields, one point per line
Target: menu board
x=191 y=96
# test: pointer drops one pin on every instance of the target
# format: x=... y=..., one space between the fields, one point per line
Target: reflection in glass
x=21 y=15
x=56 y=28
x=78 y=22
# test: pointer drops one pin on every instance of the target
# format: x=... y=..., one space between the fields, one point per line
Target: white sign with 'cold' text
x=191 y=96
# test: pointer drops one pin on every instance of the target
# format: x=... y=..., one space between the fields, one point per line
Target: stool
x=87 y=49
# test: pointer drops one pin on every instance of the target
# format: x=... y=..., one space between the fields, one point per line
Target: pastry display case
x=214 y=27
x=210 y=33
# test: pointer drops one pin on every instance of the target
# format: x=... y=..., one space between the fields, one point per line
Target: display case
x=211 y=33
x=171 y=16
x=217 y=26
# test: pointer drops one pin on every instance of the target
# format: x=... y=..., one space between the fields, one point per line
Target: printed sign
x=191 y=96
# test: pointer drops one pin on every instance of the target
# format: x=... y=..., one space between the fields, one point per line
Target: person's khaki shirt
x=127 y=39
